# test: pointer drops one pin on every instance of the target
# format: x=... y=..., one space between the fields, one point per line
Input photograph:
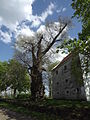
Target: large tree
x=82 y=12
x=34 y=49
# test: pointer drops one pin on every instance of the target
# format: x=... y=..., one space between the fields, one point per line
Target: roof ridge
x=64 y=59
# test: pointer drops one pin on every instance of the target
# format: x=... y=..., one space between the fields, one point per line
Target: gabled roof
x=64 y=60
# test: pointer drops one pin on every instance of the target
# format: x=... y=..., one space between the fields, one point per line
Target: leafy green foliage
x=14 y=75
x=82 y=9
x=4 y=81
x=76 y=69
x=65 y=109
x=23 y=96
x=18 y=76
x=79 y=46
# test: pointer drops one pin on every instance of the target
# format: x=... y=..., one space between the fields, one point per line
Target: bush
x=23 y=96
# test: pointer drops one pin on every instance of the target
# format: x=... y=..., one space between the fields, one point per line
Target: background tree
x=34 y=50
x=18 y=77
x=4 y=81
x=82 y=11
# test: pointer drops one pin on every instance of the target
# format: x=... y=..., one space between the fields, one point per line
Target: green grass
x=25 y=111
x=76 y=107
x=64 y=103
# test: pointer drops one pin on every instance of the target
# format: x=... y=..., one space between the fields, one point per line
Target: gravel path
x=6 y=114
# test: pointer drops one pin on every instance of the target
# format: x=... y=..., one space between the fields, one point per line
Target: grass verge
x=25 y=111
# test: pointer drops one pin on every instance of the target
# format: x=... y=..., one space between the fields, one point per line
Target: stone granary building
x=67 y=80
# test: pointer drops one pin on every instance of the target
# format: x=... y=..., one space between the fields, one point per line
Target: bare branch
x=39 y=46
x=54 y=40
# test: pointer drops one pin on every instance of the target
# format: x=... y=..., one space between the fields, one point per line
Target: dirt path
x=6 y=114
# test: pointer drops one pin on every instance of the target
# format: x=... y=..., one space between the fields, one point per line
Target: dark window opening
x=67 y=91
x=57 y=83
x=57 y=92
x=66 y=80
x=74 y=90
x=77 y=89
x=65 y=67
x=56 y=71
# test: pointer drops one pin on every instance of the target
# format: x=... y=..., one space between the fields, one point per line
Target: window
x=57 y=92
x=66 y=80
x=56 y=72
x=74 y=91
x=65 y=67
x=78 y=90
x=57 y=83
x=67 y=91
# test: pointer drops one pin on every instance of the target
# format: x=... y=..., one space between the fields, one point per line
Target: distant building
x=67 y=79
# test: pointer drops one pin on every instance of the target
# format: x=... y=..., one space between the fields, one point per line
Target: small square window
x=77 y=89
x=56 y=71
x=65 y=67
x=57 y=92
x=57 y=83
x=67 y=91
x=66 y=80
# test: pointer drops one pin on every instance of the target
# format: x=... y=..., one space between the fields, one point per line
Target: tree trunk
x=5 y=94
x=14 y=94
x=50 y=88
x=37 y=87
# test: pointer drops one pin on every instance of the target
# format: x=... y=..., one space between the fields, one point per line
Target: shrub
x=23 y=96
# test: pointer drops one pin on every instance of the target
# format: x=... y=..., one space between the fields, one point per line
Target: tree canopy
x=14 y=75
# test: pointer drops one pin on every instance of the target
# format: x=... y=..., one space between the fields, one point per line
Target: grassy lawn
x=65 y=103
x=25 y=111
x=67 y=109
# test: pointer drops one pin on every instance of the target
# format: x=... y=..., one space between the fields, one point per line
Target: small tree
x=19 y=80
x=4 y=81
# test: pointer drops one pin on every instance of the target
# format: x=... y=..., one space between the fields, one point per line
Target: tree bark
x=37 y=87
x=14 y=94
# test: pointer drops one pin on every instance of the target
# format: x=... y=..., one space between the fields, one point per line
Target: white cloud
x=37 y=20
x=25 y=31
x=69 y=37
x=64 y=9
x=41 y=29
x=61 y=10
x=49 y=11
x=12 y=12
x=5 y=37
x=59 y=56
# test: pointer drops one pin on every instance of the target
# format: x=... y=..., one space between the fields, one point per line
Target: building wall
x=64 y=84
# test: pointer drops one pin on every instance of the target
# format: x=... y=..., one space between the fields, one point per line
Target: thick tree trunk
x=37 y=87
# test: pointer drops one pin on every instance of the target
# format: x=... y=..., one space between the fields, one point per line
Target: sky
x=26 y=16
